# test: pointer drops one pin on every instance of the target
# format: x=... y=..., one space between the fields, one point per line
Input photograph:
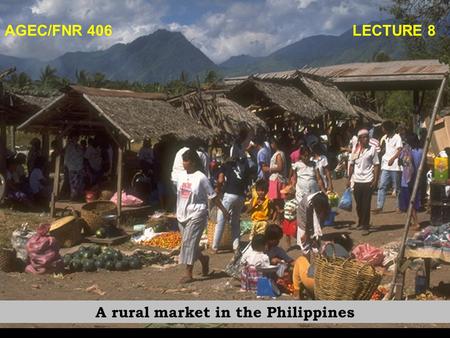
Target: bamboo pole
x=397 y=280
x=119 y=182
x=56 y=180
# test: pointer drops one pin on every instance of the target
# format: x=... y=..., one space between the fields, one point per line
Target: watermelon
x=119 y=266
x=100 y=233
x=89 y=265
x=87 y=254
x=117 y=255
x=135 y=263
x=100 y=263
x=97 y=250
x=67 y=259
x=75 y=265
x=125 y=264
x=109 y=265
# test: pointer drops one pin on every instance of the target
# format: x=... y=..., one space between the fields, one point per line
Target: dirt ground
x=161 y=283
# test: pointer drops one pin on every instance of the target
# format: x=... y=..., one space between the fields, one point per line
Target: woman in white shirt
x=193 y=192
x=321 y=162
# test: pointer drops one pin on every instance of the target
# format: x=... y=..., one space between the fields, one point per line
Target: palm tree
x=48 y=76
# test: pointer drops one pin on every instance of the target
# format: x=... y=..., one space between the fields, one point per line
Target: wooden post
x=56 y=180
x=400 y=257
x=12 y=131
x=119 y=182
x=45 y=145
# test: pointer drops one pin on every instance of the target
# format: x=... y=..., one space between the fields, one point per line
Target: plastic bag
x=128 y=200
x=19 y=241
x=43 y=251
x=346 y=200
x=368 y=254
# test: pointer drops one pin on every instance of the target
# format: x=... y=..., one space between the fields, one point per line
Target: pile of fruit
x=95 y=257
x=379 y=293
x=168 y=240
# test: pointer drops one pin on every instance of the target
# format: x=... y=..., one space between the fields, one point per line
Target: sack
x=19 y=241
x=43 y=251
x=346 y=200
x=368 y=254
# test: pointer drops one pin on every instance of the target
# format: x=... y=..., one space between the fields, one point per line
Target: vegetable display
x=168 y=240
x=93 y=258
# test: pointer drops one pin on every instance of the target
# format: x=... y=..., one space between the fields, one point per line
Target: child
x=289 y=222
x=260 y=209
x=276 y=254
x=251 y=261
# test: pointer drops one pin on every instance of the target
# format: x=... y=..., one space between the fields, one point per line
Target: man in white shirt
x=364 y=167
x=390 y=168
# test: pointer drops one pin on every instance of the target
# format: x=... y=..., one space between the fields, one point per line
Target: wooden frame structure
x=124 y=115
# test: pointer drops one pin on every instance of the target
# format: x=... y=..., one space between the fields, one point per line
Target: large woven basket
x=226 y=243
x=67 y=231
x=344 y=279
x=7 y=258
x=92 y=213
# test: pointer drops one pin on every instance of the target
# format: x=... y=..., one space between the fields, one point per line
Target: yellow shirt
x=261 y=213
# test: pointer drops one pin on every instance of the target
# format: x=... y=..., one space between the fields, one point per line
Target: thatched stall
x=368 y=115
x=218 y=113
x=123 y=115
x=290 y=97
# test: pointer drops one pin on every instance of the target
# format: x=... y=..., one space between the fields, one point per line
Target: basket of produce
x=7 y=259
x=67 y=231
x=92 y=213
x=226 y=242
x=344 y=279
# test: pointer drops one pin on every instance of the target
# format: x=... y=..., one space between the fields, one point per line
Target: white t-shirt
x=255 y=258
x=392 y=145
x=94 y=157
x=306 y=179
x=35 y=180
x=364 y=165
x=321 y=164
x=193 y=192
x=178 y=168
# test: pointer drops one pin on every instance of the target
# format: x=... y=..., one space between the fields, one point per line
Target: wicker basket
x=92 y=213
x=226 y=243
x=344 y=279
x=67 y=231
x=7 y=259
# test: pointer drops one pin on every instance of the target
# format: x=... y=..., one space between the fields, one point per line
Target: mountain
x=158 y=57
x=163 y=56
x=319 y=50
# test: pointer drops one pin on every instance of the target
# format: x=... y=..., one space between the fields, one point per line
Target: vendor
x=193 y=192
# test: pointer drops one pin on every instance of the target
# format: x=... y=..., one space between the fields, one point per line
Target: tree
x=211 y=77
x=427 y=13
x=48 y=76
x=82 y=77
x=381 y=56
x=184 y=77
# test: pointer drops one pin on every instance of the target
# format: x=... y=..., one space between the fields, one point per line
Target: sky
x=220 y=28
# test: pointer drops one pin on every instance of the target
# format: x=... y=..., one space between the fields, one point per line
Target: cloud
x=220 y=29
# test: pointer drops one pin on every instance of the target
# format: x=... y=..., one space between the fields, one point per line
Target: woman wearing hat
x=364 y=169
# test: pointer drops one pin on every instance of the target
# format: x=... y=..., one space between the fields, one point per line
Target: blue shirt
x=263 y=157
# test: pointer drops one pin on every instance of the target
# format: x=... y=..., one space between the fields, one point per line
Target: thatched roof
x=16 y=108
x=307 y=95
x=129 y=116
x=285 y=97
x=117 y=93
x=368 y=114
x=217 y=112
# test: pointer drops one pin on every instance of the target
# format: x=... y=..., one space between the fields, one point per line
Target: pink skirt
x=275 y=188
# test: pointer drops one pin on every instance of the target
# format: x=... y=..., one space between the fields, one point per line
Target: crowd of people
x=286 y=180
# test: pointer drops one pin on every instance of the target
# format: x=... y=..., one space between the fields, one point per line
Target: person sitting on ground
x=303 y=272
x=251 y=261
x=276 y=254
x=39 y=185
x=13 y=193
x=261 y=209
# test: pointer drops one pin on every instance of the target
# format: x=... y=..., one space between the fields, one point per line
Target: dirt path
x=153 y=283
